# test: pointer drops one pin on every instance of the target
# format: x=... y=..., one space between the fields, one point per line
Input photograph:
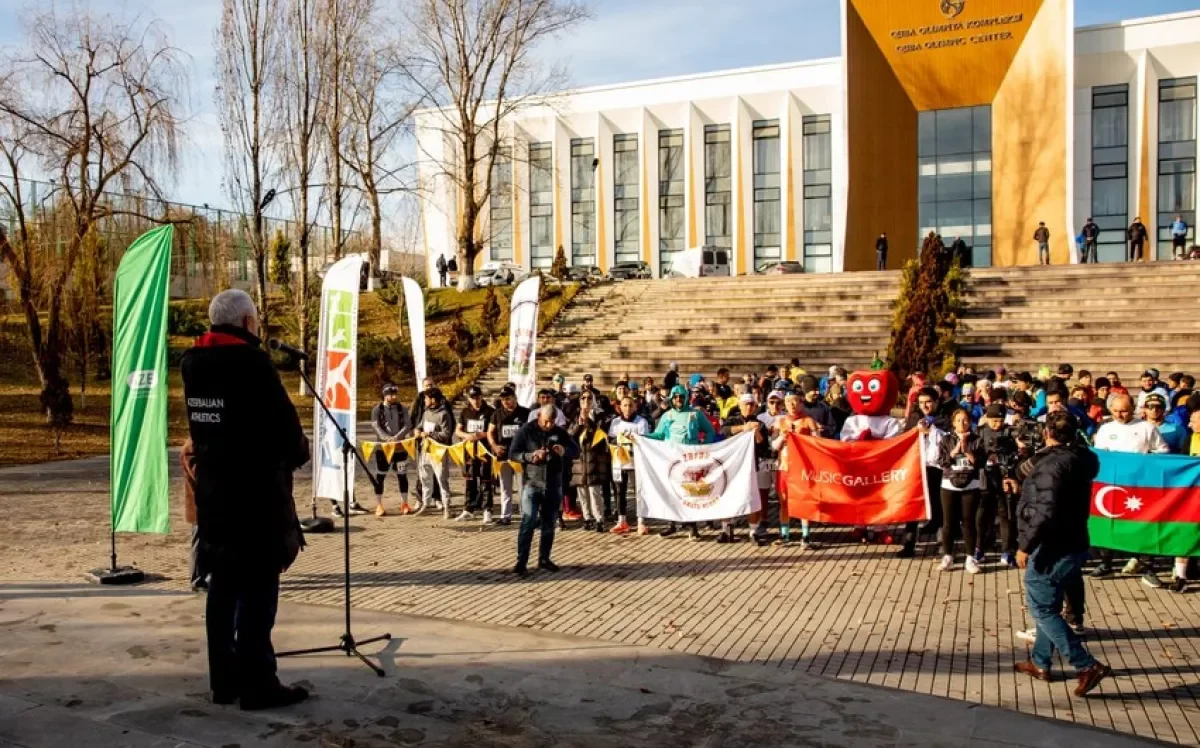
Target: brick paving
x=847 y=611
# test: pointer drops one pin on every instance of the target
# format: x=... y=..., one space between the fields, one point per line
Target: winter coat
x=1052 y=515
x=437 y=423
x=544 y=476
x=390 y=422
x=593 y=467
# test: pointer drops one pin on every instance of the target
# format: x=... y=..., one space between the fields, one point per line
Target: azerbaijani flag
x=1146 y=504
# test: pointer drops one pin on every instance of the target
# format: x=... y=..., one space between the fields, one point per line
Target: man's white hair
x=231 y=307
x=548 y=412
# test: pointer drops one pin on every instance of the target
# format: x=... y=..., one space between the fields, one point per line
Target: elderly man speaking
x=248 y=441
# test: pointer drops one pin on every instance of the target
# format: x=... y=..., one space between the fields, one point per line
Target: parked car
x=630 y=271
x=586 y=274
x=499 y=274
x=700 y=262
x=780 y=268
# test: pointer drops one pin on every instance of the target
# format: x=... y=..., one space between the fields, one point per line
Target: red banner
x=856 y=483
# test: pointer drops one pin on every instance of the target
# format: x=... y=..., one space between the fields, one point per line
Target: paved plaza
x=847 y=611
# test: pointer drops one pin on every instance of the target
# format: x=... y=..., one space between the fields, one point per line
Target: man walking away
x=1179 y=232
x=1042 y=237
x=881 y=249
x=540 y=447
x=1052 y=547
x=1090 y=233
x=391 y=424
x=248 y=441
x=506 y=422
x=443 y=270
x=1137 y=239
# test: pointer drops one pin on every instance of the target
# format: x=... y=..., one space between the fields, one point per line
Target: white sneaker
x=464 y=517
x=418 y=507
x=487 y=517
x=972 y=565
x=445 y=512
x=1027 y=635
x=946 y=564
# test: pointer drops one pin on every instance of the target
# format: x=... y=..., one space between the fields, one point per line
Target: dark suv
x=630 y=271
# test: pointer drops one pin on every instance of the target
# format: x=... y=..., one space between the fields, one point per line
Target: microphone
x=276 y=344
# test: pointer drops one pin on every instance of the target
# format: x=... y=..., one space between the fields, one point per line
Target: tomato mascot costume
x=872 y=395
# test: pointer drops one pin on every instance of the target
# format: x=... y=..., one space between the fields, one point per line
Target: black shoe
x=600 y=527
x=589 y=524
x=762 y=541
x=562 y=523
x=1179 y=585
x=275 y=698
x=667 y=531
x=1102 y=570
x=547 y=565
x=504 y=521
x=357 y=509
x=200 y=585
x=224 y=698
x=694 y=533
x=337 y=510
x=907 y=551
x=520 y=571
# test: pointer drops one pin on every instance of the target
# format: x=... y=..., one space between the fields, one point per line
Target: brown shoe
x=1090 y=677
x=1033 y=671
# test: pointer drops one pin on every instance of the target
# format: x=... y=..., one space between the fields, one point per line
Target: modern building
x=972 y=118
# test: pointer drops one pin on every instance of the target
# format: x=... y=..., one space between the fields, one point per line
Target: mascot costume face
x=872 y=395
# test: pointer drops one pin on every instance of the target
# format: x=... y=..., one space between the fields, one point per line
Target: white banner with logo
x=336 y=374
x=414 y=304
x=522 y=341
x=696 y=483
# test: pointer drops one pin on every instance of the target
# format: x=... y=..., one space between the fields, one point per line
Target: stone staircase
x=1099 y=317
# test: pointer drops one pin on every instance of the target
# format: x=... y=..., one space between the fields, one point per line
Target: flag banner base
x=317 y=525
x=118 y=575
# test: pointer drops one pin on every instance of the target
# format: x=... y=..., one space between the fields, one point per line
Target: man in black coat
x=1052 y=545
x=881 y=250
x=542 y=448
x=248 y=441
x=1137 y=234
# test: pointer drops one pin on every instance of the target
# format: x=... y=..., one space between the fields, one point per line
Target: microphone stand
x=347 y=643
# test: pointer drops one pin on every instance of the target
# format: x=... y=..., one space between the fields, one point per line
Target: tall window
x=718 y=190
x=818 y=194
x=541 y=205
x=954 y=149
x=671 y=236
x=628 y=244
x=1176 y=158
x=1110 y=169
x=583 y=202
x=500 y=209
x=766 y=191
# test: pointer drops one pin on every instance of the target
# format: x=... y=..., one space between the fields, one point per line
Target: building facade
x=972 y=118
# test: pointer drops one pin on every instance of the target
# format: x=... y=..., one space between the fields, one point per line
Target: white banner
x=414 y=303
x=336 y=370
x=522 y=341
x=696 y=482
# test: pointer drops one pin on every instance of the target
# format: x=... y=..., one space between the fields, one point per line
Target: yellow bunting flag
x=621 y=455
x=456 y=453
x=516 y=466
x=436 y=451
x=599 y=438
x=368 y=448
x=410 y=446
x=389 y=449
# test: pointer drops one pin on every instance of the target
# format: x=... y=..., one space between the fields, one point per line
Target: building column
x=562 y=189
x=742 y=166
x=693 y=170
x=605 y=209
x=791 y=173
x=648 y=199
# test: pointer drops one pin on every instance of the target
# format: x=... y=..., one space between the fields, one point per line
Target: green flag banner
x=140 y=486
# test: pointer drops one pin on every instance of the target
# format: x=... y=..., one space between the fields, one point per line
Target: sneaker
x=504 y=521
x=782 y=541
x=694 y=533
x=667 y=531
x=1150 y=579
x=807 y=545
x=274 y=698
x=547 y=565
x=438 y=503
x=643 y=530
x=417 y=508
x=1102 y=570
x=887 y=539
x=972 y=566
x=445 y=512
x=600 y=527
x=337 y=510
x=1132 y=567
x=621 y=528
x=1007 y=560
x=1179 y=585
x=1027 y=635
x=724 y=539
x=1078 y=627
x=589 y=524
x=405 y=509
x=908 y=550
x=946 y=564
x=979 y=556
x=487 y=517
x=762 y=541
x=356 y=509
x=464 y=517
x=520 y=571
x=379 y=510
x=572 y=516
x=1090 y=677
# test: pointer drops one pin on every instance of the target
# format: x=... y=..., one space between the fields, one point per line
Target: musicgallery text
x=952 y=28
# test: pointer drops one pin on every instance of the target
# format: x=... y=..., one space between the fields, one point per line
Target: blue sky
x=624 y=40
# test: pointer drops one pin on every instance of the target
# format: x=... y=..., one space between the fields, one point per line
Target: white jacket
x=1138 y=437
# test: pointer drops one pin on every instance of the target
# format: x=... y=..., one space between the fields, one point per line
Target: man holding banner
x=248 y=441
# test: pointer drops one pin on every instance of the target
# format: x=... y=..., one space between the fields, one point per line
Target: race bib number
x=509 y=431
x=474 y=425
x=430 y=427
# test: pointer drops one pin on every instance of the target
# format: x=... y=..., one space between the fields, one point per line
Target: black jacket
x=949 y=464
x=1052 y=516
x=1137 y=233
x=546 y=475
x=248 y=441
x=1090 y=231
x=823 y=415
x=390 y=422
x=594 y=465
x=881 y=245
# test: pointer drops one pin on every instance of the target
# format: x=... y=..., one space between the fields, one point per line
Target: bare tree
x=378 y=115
x=247 y=42
x=472 y=63
x=96 y=101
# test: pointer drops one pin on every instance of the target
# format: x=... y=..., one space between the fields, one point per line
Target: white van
x=700 y=262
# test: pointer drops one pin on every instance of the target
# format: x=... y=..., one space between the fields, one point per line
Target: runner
x=506 y=421
x=472 y=428
x=627 y=423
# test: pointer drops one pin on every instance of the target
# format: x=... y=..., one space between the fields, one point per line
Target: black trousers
x=239 y=617
x=1089 y=251
x=400 y=463
x=623 y=493
x=933 y=480
x=1008 y=521
x=880 y=260
x=479 y=485
x=1135 y=252
x=959 y=507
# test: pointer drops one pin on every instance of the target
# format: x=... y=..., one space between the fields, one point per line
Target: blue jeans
x=537 y=505
x=1044 y=592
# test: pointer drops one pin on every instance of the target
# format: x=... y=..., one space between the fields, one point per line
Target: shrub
x=186 y=320
x=279 y=254
x=559 y=268
x=492 y=315
x=925 y=321
x=462 y=340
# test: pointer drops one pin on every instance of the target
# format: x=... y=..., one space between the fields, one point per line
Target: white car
x=499 y=274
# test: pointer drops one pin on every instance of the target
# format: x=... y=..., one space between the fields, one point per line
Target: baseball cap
x=510 y=392
x=995 y=410
x=474 y=391
x=389 y=389
x=1152 y=373
x=783 y=385
x=587 y=377
x=558 y=379
x=746 y=398
x=1023 y=376
x=572 y=389
x=546 y=391
x=1155 y=399
x=633 y=385
x=776 y=394
x=808 y=383
x=694 y=380
x=968 y=389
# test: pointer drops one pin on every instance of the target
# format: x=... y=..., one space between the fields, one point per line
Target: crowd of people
x=982 y=431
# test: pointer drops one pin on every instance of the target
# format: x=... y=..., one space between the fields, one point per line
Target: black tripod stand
x=347 y=643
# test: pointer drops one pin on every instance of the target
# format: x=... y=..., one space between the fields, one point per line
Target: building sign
x=955 y=33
